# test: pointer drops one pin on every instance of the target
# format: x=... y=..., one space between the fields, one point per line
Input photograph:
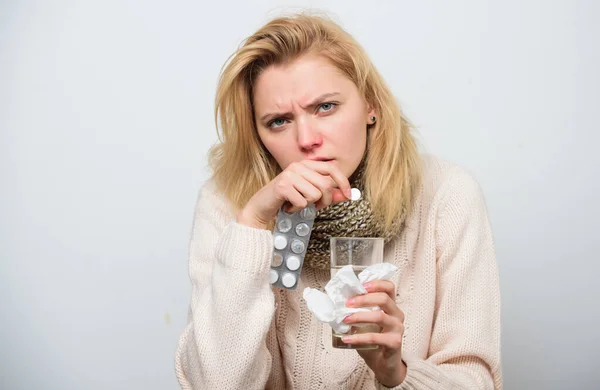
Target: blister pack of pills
x=290 y=241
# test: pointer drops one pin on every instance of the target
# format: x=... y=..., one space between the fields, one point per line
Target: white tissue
x=319 y=304
x=379 y=271
x=343 y=286
x=331 y=308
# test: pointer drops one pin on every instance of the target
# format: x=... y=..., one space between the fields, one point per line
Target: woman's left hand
x=385 y=361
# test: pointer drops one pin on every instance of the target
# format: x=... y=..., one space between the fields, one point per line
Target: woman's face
x=307 y=109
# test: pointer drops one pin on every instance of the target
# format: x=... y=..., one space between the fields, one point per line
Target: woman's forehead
x=301 y=81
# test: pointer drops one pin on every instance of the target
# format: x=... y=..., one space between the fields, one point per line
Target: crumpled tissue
x=331 y=307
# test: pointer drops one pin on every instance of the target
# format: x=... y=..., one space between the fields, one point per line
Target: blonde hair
x=240 y=163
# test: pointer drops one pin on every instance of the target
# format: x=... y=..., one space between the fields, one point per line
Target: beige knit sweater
x=242 y=334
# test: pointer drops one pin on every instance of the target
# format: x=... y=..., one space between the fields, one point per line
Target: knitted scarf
x=346 y=219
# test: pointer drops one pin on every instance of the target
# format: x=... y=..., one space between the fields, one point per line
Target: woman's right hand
x=301 y=183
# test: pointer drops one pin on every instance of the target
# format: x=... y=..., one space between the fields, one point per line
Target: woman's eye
x=326 y=107
x=277 y=122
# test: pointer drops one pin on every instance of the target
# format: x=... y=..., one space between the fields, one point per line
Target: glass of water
x=359 y=252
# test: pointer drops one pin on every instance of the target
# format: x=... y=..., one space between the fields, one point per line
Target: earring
x=373 y=119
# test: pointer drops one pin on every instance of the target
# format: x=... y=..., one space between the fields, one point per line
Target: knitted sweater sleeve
x=232 y=305
x=464 y=351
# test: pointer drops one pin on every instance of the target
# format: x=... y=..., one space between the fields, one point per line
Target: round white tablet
x=280 y=242
x=356 y=195
x=293 y=263
x=288 y=280
x=273 y=276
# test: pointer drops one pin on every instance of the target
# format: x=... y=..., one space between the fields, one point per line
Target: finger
x=385 y=286
x=379 y=317
x=338 y=196
x=325 y=184
x=326 y=168
x=380 y=299
x=310 y=193
x=295 y=201
x=291 y=198
x=390 y=340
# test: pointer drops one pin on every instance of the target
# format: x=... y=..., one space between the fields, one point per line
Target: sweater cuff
x=379 y=386
x=246 y=249
x=419 y=375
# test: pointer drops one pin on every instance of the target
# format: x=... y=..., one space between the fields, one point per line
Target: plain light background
x=106 y=118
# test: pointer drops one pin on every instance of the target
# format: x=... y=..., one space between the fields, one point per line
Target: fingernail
x=347 y=319
x=347 y=339
x=367 y=286
x=350 y=302
x=348 y=193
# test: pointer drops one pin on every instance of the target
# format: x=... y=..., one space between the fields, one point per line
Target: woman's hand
x=301 y=183
x=386 y=361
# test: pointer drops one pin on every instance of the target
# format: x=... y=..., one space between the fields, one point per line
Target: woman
x=304 y=117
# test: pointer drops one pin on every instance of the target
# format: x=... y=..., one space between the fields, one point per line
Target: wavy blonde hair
x=240 y=163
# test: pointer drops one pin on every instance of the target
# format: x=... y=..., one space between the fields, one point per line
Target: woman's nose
x=309 y=135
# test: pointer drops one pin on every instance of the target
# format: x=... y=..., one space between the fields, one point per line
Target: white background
x=106 y=118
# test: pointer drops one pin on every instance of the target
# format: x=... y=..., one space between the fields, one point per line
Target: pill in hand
x=355 y=194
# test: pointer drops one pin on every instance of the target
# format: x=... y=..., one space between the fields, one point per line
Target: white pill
x=277 y=260
x=284 y=225
x=297 y=246
x=293 y=263
x=288 y=280
x=356 y=195
x=273 y=276
x=302 y=229
x=280 y=242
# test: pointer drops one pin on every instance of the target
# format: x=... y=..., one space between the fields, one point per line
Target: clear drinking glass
x=360 y=252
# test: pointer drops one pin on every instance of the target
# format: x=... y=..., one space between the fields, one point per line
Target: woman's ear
x=371 y=117
x=371 y=114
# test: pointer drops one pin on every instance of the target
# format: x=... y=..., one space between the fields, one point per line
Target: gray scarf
x=346 y=219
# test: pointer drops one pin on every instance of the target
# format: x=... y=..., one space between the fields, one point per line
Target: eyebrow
x=314 y=102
